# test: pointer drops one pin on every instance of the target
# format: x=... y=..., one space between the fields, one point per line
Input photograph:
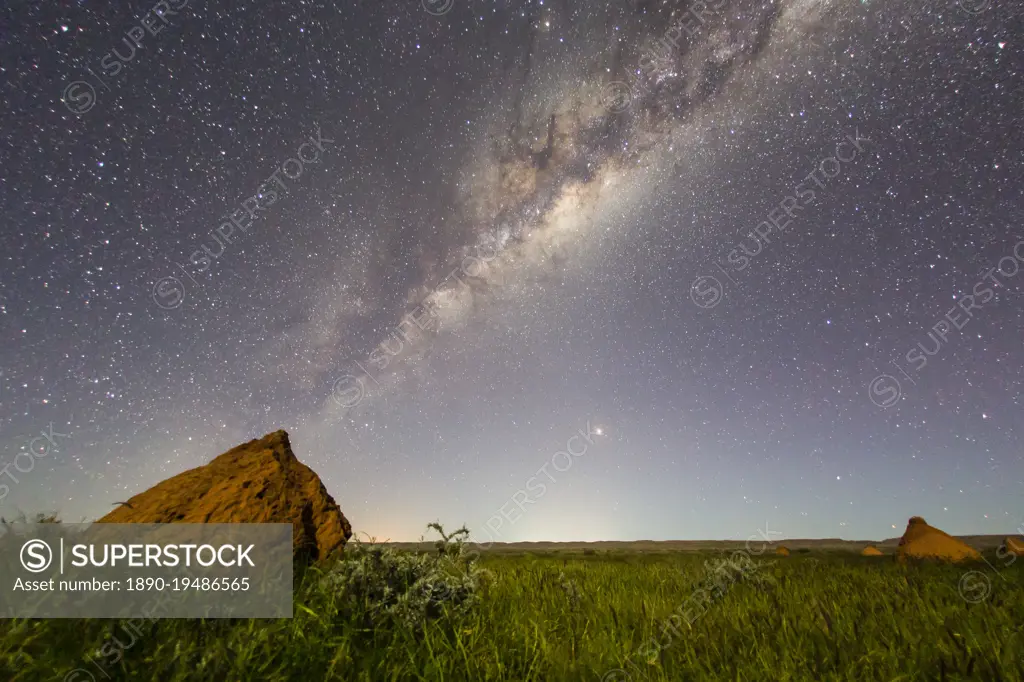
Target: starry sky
x=554 y=270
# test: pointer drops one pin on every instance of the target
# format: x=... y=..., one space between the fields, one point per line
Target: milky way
x=512 y=224
x=569 y=133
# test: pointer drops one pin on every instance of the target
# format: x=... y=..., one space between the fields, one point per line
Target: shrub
x=385 y=587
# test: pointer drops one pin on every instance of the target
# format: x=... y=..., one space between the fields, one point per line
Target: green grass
x=817 y=616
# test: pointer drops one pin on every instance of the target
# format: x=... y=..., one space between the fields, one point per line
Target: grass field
x=810 y=616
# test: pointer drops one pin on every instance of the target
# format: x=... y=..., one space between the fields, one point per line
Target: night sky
x=749 y=255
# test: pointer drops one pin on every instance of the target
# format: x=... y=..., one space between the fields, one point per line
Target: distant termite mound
x=1014 y=546
x=921 y=541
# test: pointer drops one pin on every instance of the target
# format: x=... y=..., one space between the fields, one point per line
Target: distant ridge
x=979 y=542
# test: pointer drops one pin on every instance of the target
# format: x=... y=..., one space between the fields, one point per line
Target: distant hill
x=979 y=542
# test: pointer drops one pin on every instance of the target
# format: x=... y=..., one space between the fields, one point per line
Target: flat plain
x=594 y=611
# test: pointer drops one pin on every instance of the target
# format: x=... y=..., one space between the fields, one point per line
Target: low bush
x=384 y=587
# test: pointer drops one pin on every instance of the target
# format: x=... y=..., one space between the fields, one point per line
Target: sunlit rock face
x=257 y=482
